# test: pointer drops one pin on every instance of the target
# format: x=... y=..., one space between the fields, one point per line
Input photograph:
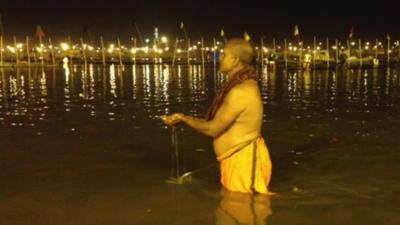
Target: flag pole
x=1 y=40
x=16 y=51
x=139 y=33
x=184 y=30
x=300 y=52
x=285 y=53
x=222 y=33
x=175 y=49
x=349 y=39
x=273 y=45
x=388 y=50
x=315 y=51
x=328 y=53
x=182 y=26
x=119 y=52
x=83 y=52
x=376 y=60
x=27 y=51
x=297 y=33
x=35 y=59
x=1 y=50
x=214 y=52
x=202 y=53
x=1 y=25
x=42 y=49
x=262 y=52
x=336 y=51
x=52 y=52
x=360 y=52
x=134 y=51
x=188 y=51
x=103 y=54
x=71 y=51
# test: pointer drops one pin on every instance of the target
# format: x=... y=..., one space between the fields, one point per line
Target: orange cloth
x=246 y=169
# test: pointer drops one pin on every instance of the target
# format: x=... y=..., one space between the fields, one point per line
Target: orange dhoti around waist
x=246 y=168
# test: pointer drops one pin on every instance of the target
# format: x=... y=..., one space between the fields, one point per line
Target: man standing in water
x=234 y=122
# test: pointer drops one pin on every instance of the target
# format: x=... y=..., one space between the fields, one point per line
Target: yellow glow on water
x=66 y=69
x=146 y=81
x=113 y=84
x=43 y=84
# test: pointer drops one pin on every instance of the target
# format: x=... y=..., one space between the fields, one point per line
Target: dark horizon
x=114 y=19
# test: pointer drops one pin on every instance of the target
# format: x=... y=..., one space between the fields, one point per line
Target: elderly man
x=234 y=122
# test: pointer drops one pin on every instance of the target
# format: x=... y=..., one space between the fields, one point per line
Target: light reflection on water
x=332 y=134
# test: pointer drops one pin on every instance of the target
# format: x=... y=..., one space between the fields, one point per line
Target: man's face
x=227 y=61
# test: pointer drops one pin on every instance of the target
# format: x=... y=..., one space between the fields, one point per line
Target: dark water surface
x=85 y=146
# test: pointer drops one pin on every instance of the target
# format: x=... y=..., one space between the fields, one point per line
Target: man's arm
x=233 y=105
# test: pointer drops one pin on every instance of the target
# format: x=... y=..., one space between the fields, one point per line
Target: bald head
x=241 y=49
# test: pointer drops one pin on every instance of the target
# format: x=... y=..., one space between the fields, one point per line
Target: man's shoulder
x=246 y=87
x=245 y=90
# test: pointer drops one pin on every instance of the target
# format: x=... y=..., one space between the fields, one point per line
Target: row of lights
x=66 y=47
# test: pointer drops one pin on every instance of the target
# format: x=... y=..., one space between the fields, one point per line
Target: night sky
x=201 y=18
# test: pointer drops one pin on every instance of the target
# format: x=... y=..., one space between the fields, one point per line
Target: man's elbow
x=212 y=133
